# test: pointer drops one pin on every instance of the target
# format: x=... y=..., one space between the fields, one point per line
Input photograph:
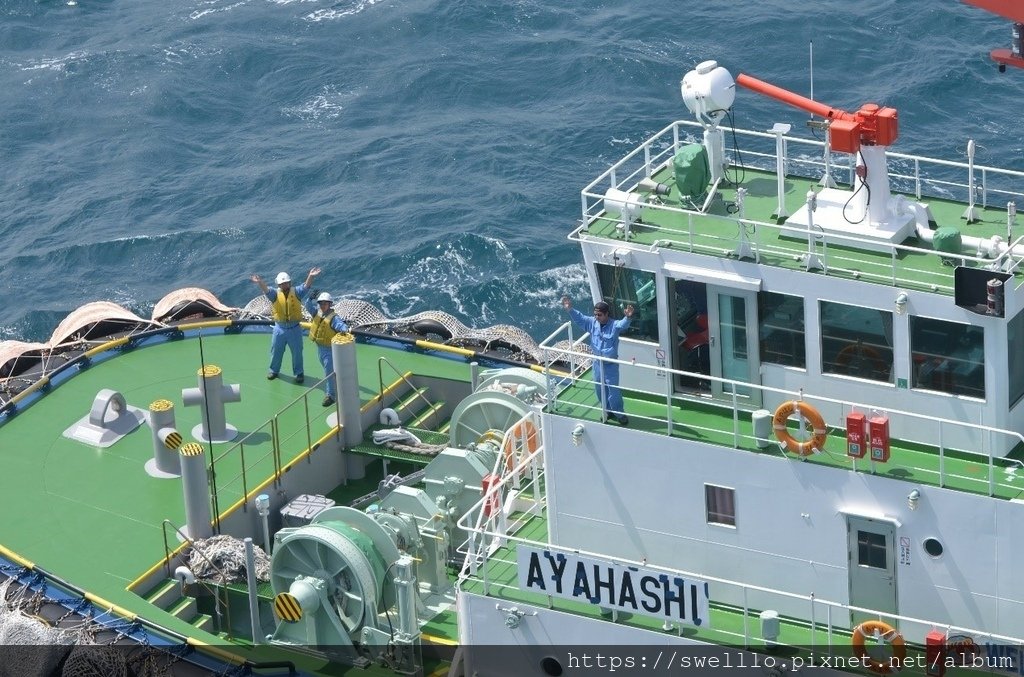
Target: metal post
x=343 y=347
x=474 y=375
x=263 y=509
x=210 y=397
x=166 y=439
x=811 y=260
x=743 y=249
x=780 y=129
x=971 y=213
x=196 y=488
x=827 y=181
x=250 y=575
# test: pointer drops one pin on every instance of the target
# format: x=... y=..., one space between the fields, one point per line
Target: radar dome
x=708 y=90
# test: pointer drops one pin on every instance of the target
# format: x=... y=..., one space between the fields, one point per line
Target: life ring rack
x=885 y=632
x=814 y=419
x=525 y=432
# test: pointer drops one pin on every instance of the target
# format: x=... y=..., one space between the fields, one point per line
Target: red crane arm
x=1014 y=11
x=1010 y=9
x=795 y=100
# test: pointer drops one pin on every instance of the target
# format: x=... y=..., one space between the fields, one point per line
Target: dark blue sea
x=428 y=154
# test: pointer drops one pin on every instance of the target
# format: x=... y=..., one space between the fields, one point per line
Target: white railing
x=908 y=173
x=513 y=500
x=821 y=614
x=734 y=410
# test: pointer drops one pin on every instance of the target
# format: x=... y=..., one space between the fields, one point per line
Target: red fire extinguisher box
x=878 y=432
x=935 y=653
x=856 y=444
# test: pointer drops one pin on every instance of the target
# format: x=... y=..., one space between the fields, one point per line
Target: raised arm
x=313 y=272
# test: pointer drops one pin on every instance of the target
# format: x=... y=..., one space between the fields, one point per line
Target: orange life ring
x=813 y=418
x=885 y=632
x=860 y=351
x=525 y=431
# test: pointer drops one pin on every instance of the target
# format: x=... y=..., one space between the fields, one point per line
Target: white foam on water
x=335 y=13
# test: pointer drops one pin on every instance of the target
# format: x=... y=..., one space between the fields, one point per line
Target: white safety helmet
x=283 y=277
x=324 y=297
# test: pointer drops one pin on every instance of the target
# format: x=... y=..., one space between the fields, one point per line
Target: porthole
x=933 y=547
x=551 y=666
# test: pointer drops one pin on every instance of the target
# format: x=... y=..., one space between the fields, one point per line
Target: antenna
x=810 y=44
x=209 y=443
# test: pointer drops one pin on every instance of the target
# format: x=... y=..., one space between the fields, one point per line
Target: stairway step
x=397 y=389
x=428 y=415
x=184 y=608
x=203 y=622
x=164 y=594
x=411 y=401
x=445 y=427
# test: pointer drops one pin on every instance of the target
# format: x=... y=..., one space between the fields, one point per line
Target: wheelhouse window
x=856 y=341
x=621 y=287
x=721 y=505
x=1015 y=352
x=781 y=320
x=947 y=357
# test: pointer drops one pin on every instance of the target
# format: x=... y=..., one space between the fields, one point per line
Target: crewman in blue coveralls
x=323 y=328
x=604 y=342
x=286 y=304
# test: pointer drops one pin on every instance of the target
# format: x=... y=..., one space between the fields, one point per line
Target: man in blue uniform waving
x=604 y=342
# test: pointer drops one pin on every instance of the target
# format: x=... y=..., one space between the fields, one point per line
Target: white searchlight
x=708 y=92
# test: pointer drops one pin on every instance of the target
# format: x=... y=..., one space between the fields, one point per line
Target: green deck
x=913 y=266
x=728 y=625
x=93 y=517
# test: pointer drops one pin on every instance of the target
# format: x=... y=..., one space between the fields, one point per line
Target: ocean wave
x=340 y=11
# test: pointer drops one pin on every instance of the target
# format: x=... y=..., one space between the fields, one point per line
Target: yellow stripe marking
x=287 y=607
x=173 y=441
x=192 y=449
x=430 y=345
x=161 y=405
x=203 y=325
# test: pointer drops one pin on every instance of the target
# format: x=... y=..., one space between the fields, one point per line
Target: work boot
x=299 y=378
x=328 y=401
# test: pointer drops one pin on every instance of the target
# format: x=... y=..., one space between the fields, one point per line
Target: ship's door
x=732 y=338
x=872 y=565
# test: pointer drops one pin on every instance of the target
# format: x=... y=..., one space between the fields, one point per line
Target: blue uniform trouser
x=286 y=336
x=327 y=360
x=607 y=375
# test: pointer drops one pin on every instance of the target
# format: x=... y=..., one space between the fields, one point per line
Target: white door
x=872 y=565
x=732 y=326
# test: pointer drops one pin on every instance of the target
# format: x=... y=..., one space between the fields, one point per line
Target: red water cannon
x=872 y=125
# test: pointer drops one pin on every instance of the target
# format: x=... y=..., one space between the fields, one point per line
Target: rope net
x=221 y=559
x=24 y=363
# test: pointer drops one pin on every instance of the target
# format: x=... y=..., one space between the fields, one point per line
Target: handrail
x=216 y=597
x=846 y=405
x=275 y=450
x=513 y=541
x=655 y=152
x=380 y=379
